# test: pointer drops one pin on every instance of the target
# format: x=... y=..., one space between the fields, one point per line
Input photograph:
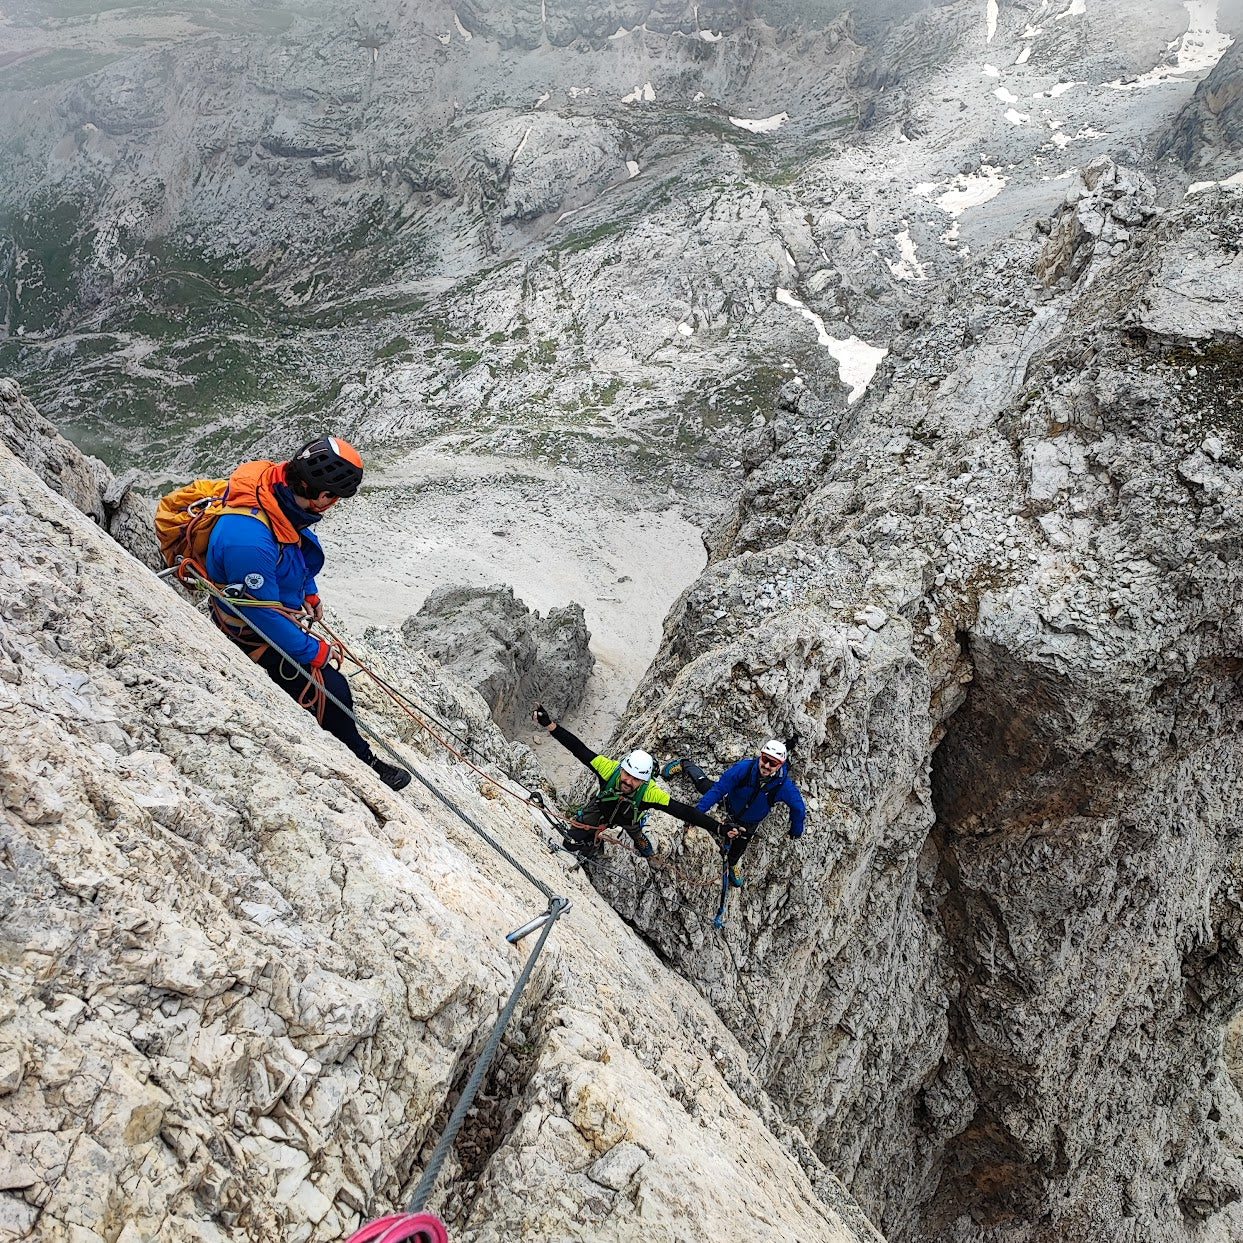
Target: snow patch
x=1199 y=49
x=632 y=167
x=856 y=359
x=620 y=33
x=1006 y=97
x=990 y=16
x=1077 y=9
x=645 y=93
x=991 y=71
x=543 y=99
x=1230 y=183
x=908 y=268
x=1024 y=55
x=1059 y=88
x=764 y=125
x=972 y=190
x=576 y=91
x=1017 y=118
x=696 y=97
x=1062 y=140
x=709 y=36
x=466 y=34
x=685 y=329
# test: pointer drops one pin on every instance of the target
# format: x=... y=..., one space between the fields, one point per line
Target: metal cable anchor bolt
x=561 y=905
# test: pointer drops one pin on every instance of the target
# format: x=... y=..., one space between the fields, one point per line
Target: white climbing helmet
x=774 y=748
x=638 y=764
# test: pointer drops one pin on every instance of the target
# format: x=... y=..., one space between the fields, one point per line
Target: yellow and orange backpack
x=184 y=519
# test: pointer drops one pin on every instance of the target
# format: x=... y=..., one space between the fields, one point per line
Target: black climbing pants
x=699 y=779
x=293 y=682
x=732 y=847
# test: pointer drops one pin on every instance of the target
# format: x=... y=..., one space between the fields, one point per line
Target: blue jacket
x=244 y=552
x=748 y=799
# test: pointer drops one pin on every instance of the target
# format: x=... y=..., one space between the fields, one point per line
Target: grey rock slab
x=253 y=1027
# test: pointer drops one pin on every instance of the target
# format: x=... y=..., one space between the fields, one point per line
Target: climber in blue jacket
x=750 y=789
x=263 y=553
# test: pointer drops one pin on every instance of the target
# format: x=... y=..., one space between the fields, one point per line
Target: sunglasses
x=770 y=761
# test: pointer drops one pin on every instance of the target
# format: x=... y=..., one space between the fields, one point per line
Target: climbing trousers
x=294 y=683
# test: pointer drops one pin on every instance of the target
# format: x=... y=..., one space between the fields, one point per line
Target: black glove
x=541 y=716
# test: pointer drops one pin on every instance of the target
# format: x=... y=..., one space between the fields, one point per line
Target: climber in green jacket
x=625 y=795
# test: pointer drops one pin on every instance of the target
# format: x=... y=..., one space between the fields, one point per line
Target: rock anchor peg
x=539 y=921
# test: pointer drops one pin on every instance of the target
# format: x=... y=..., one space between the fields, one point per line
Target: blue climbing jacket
x=749 y=798
x=243 y=552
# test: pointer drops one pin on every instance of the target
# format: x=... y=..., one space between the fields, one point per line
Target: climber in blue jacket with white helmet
x=750 y=790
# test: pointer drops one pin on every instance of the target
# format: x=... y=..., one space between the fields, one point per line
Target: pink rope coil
x=412 y=1227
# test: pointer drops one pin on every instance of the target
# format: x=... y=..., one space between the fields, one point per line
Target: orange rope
x=319 y=701
x=516 y=795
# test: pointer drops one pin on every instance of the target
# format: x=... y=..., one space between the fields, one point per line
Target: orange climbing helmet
x=327 y=464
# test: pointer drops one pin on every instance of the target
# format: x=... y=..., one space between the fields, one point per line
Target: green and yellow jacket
x=609 y=807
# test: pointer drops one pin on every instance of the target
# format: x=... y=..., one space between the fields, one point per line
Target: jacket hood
x=253 y=485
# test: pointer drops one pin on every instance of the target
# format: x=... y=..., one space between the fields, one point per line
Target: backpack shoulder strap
x=251 y=511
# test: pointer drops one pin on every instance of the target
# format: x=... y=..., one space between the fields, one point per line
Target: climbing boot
x=392 y=776
x=719 y=922
x=671 y=768
x=735 y=877
x=643 y=845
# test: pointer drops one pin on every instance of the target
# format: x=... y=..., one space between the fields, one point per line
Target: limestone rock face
x=1211 y=125
x=85 y=482
x=243 y=980
x=1196 y=295
x=486 y=638
x=1096 y=220
x=1001 y=610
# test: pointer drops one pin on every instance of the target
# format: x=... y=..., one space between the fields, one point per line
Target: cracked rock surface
x=1001 y=610
x=243 y=981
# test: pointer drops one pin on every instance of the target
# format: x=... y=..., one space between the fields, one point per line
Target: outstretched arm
x=574 y=745
x=687 y=814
